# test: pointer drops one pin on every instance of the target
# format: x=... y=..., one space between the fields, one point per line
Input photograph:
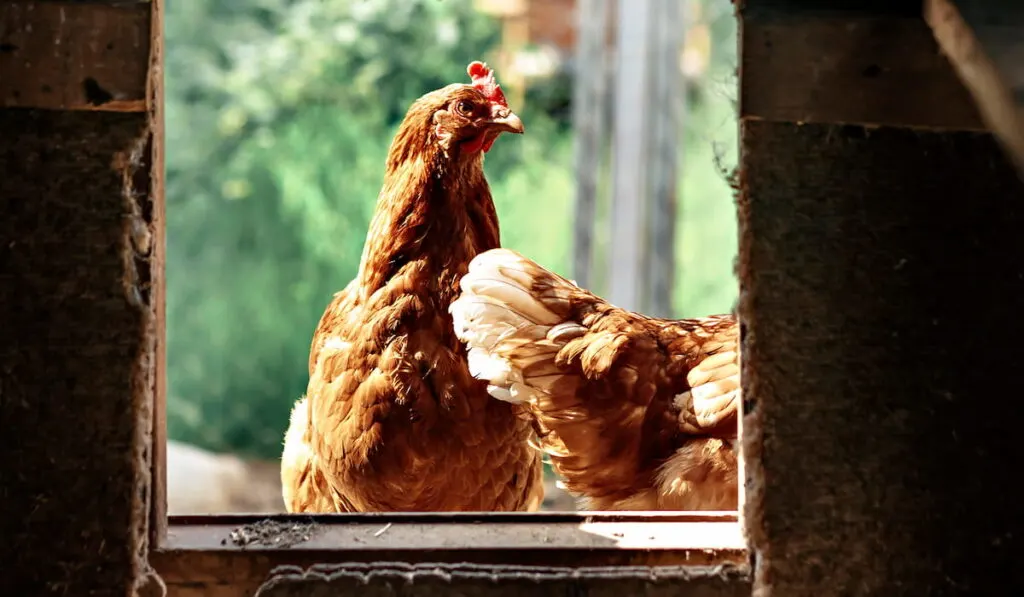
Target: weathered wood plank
x=76 y=350
x=627 y=273
x=505 y=581
x=239 y=573
x=79 y=277
x=880 y=273
x=665 y=105
x=74 y=55
x=876 y=8
x=984 y=39
x=836 y=67
x=158 y=279
x=201 y=558
x=590 y=95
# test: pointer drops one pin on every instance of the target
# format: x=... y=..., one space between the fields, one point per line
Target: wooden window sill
x=232 y=555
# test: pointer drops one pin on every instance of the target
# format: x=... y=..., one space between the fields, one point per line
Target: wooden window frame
x=210 y=556
x=241 y=551
x=235 y=554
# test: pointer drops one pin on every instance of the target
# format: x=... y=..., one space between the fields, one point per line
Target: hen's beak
x=509 y=123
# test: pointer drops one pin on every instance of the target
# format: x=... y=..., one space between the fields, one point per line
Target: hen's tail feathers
x=513 y=317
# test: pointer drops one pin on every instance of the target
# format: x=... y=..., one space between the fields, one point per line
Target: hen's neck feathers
x=434 y=208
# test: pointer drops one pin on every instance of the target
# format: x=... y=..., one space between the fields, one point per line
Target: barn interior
x=880 y=208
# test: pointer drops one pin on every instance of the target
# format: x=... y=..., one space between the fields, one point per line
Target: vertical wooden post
x=983 y=41
x=628 y=266
x=79 y=284
x=664 y=111
x=158 y=269
x=881 y=282
x=590 y=93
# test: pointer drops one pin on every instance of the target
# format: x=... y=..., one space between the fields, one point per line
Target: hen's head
x=469 y=116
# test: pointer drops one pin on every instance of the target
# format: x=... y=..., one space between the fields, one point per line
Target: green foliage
x=706 y=244
x=280 y=113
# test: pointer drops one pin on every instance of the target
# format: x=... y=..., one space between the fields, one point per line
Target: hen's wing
x=638 y=413
x=711 y=404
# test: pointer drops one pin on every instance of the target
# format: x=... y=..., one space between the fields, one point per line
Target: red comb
x=483 y=80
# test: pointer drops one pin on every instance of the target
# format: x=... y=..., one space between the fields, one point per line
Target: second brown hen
x=637 y=413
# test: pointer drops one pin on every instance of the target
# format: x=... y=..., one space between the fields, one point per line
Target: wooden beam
x=74 y=55
x=231 y=556
x=80 y=278
x=627 y=275
x=876 y=266
x=984 y=40
x=664 y=106
x=590 y=94
x=470 y=579
x=879 y=270
x=876 y=8
x=856 y=68
x=158 y=276
x=76 y=348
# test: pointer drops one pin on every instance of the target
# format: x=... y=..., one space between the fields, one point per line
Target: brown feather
x=636 y=412
x=393 y=419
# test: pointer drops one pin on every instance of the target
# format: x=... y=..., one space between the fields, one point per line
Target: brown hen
x=392 y=420
x=636 y=413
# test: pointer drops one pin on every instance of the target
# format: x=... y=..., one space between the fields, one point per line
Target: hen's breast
x=400 y=424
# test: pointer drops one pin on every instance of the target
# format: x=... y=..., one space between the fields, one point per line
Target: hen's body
x=392 y=419
x=637 y=413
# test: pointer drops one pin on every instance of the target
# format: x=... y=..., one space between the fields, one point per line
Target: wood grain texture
x=835 y=67
x=506 y=581
x=984 y=39
x=76 y=351
x=203 y=556
x=880 y=281
x=240 y=574
x=158 y=271
x=878 y=8
x=74 y=55
x=589 y=106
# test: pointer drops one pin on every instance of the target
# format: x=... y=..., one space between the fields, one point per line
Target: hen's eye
x=465 y=107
